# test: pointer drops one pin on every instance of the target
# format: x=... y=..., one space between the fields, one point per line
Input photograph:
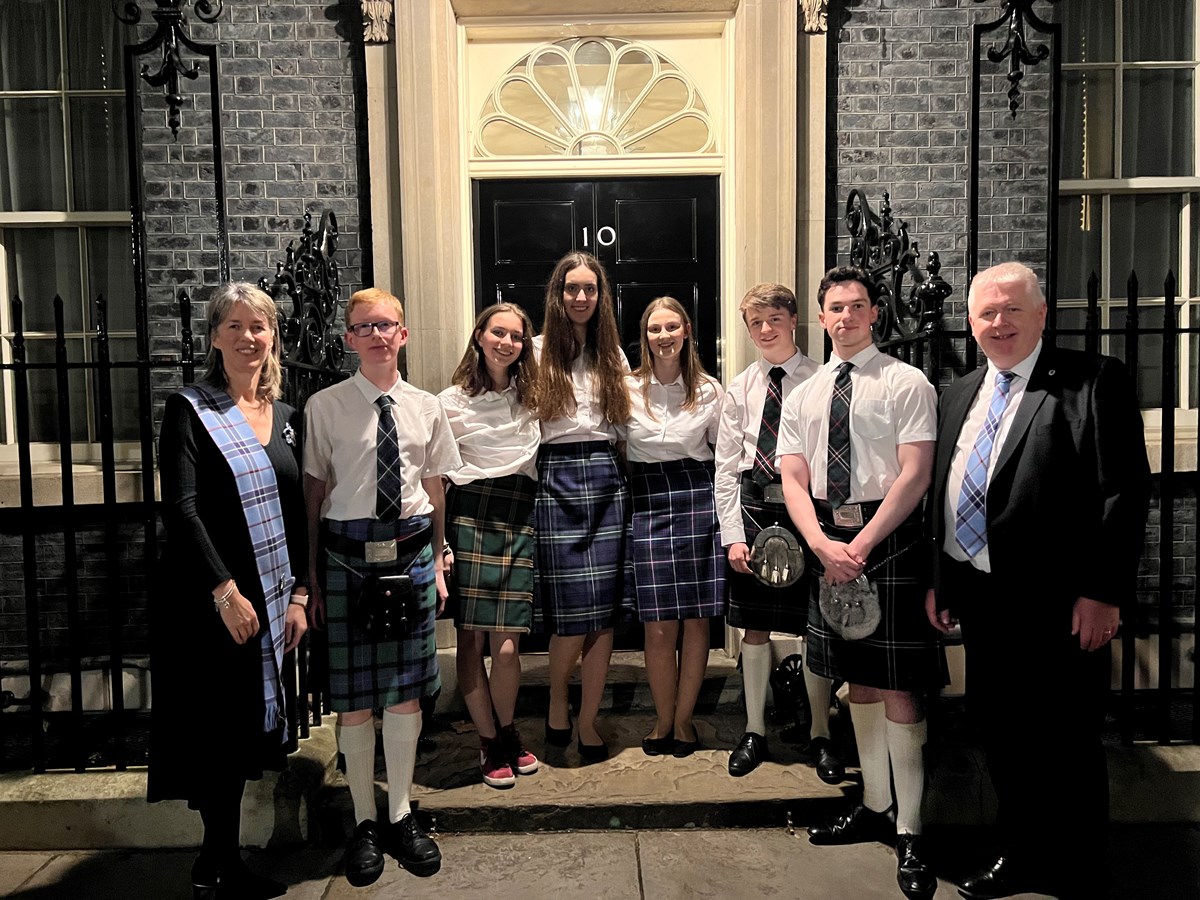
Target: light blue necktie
x=970 y=522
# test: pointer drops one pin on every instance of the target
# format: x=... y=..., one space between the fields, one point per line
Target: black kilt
x=755 y=605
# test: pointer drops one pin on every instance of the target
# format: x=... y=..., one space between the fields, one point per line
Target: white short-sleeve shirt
x=660 y=429
x=587 y=423
x=496 y=434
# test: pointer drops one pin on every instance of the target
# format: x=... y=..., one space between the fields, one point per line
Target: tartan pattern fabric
x=678 y=563
x=489 y=524
x=365 y=674
x=388 y=474
x=904 y=653
x=763 y=470
x=838 y=466
x=753 y=604
x=581 y=515
x=970 y=519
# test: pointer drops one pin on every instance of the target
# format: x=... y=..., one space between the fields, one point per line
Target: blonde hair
x=472 y=374
x=374 y=295
x=221 y=304
x=768 y=295
x=691 y=369
x=601 y=349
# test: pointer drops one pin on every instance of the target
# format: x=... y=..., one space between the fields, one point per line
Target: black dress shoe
x=659 y=746
x=1003 y=878
x=417 y=851
x=750 y=752
x=558 y=737
x=364 y=859
x=593 y=753
x=858 y=826
x=915 y=878
x=829 y=767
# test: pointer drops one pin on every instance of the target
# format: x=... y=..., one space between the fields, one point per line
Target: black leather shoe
x=858 y=826
x=915 y=878
x=558 y=737
x=593 y=753
x=659 y=746
x=417 y=851
x=828 y=765
x=750 y=752
x=364 y=859
x=1003 y=878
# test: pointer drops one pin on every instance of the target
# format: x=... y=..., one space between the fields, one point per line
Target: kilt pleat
x=581 y=516
x=367 y=674
x=489 y=524
x=678 y=564
x=759 y=606
x=904 y=653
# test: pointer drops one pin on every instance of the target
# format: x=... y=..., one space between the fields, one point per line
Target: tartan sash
x=255 y=478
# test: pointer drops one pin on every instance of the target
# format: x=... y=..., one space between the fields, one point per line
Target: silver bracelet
x=222 y=602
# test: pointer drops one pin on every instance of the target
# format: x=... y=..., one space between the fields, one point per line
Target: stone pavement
x=1150 y=862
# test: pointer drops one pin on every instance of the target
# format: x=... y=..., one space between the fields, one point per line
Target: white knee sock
x=756 y=676
x=818 y=689
x=400 y=734
x=870 y=733
x=904 y=744
x=357 y=744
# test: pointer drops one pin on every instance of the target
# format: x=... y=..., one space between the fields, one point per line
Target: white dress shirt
x=496 y=435
x=341 y=423
x=660 y=429
x=891 y=403
x=972 y=425
x=737 y=434
x=587 y=423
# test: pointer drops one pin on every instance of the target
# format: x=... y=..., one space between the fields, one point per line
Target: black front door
x=655 y=236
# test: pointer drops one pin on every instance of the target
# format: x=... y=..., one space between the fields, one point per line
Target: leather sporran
x=852 y=609
x=389 y=606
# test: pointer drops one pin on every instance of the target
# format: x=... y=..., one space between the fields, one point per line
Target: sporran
x=852 y=609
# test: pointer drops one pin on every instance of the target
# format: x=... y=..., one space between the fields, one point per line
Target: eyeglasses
x=364 y=329
x=589 y=290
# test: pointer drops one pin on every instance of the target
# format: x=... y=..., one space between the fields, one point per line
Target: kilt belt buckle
x=773 y=493
x=379 y=551
x=848 y=515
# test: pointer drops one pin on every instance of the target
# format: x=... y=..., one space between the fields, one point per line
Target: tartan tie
x=970 y=520
x=763 y=470
x=387 y=463
x=837 y=478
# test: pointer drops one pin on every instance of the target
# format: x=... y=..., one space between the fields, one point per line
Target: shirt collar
x=859 y=359
x=371 y=393
x=1023 y=369
x=789 y=365
x=678 y=380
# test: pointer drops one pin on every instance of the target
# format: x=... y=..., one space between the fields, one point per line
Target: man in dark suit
x=1039 y=500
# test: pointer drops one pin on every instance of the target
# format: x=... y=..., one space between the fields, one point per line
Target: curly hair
x=601 y=348
x=691 y=369
x=472 y=374
x=221 y=304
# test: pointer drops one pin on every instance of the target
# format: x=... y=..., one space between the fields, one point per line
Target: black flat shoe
x=593 y=753
x=659 y=746
x=558 y=737
x=685 y=749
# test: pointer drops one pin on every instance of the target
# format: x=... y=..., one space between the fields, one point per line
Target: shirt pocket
x=872 y=419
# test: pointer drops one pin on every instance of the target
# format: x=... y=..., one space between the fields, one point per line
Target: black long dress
x=206 y=690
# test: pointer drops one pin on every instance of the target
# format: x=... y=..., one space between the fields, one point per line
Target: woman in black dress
x=227 y=605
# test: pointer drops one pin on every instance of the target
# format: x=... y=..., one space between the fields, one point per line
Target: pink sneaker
x=520 y=758
x=493 y=763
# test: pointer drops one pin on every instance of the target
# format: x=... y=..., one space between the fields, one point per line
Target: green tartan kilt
x=489 y=524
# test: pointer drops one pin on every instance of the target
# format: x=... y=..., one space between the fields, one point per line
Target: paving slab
x=17 y=868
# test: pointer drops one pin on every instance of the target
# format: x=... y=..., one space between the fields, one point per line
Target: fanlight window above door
x=593 y=97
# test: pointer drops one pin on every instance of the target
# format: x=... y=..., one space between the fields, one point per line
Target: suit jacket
x=1068 y=498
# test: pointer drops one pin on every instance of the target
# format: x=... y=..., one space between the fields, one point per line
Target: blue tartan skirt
x=678 y=564
x=367 y=674
x=581 y=518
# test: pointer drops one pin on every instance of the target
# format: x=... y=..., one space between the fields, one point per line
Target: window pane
x=124 y=390
x=1078 y=245
x=1195 y=245
x=110 y=272
x=95 y=47
x=1145 y=239
x=1087 y=124
x=44 y=395
x=29 y=46
x=32 y=168
x=1162 y=97
x=1088 y=29
x=98 y=151
x=1158 y=29
x=43 y=262
x=1070 y=318
x=1194 y=368
x=1150 y=353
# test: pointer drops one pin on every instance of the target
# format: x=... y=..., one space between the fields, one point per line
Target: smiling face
x=1007 y=321
x=375 y=350
x=581 y=294
x=245 y=339
x=665 y=334
x=847 y=315
x=501 y=341
x=772 y=328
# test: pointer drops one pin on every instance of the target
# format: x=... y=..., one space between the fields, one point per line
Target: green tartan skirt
x=489 y=524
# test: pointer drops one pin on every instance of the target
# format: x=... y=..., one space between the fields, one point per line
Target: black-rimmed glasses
x=364 y=329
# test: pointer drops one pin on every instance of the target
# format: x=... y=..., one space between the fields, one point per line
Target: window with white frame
x=1129 y=185
x=64 y=206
